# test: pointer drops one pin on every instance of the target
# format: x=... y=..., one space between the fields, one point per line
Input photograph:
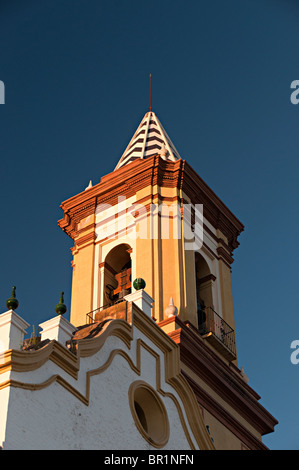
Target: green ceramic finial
x=12 y=303
x=139 y=283
x=60 y=308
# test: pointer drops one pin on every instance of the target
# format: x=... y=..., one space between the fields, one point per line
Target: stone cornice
x=152 y=171
x=223 y=416
x=24 y=361
x=216 y=212
x=224 y=379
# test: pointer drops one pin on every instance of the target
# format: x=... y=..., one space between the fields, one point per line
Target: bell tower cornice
x=156 y=172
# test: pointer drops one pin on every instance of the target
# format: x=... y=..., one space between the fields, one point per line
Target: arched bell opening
x=204 y=295
x=117 y=273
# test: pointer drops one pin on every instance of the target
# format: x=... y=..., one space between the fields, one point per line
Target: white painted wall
x=53 y=418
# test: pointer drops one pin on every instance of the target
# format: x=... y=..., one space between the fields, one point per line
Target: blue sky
x=76 y=77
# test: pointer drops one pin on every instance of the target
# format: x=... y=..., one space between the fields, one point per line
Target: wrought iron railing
x=209 y=322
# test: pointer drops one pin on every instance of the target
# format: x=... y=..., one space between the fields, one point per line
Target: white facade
x=52 y=398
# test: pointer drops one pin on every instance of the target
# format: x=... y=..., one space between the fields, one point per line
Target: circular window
x=149 y=413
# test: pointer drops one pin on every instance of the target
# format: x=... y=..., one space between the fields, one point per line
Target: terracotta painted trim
x=173 y=376
x=54 y=378
x=222 y=378
x=105 y=265
x=224 y=255
x=209 y=277
x=224 y=417
x=23 y=361
x=88 y=238
x=152 y=171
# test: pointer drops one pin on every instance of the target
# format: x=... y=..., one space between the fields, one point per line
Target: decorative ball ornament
x=12 y=303
x=171 y=309
x=139 y=283
x=60 y=308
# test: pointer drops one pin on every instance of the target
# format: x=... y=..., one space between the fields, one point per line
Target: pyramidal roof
x=149 y=139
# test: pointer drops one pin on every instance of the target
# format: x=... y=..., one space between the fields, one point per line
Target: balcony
x=217 y=332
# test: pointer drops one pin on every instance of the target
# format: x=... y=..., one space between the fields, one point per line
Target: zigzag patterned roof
x=150 y=138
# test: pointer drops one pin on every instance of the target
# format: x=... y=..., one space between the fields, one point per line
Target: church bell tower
x=153 y=218
x=150 y=350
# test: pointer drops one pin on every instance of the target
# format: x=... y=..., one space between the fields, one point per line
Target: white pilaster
x=58 y=329
x=142 y=300
x=12 y=330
